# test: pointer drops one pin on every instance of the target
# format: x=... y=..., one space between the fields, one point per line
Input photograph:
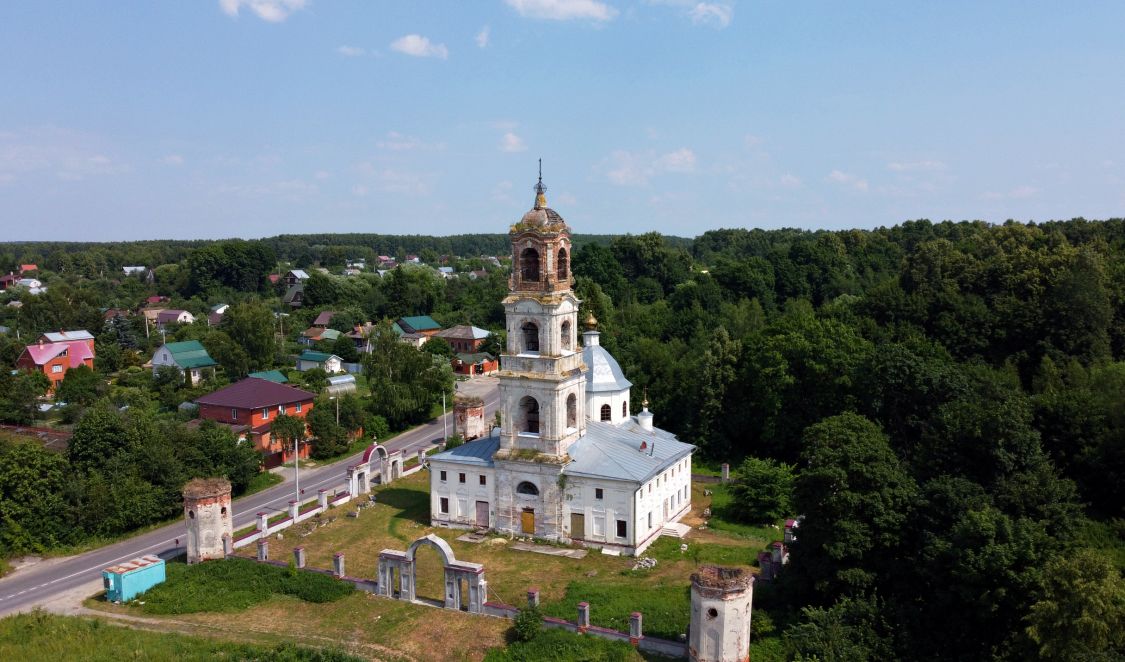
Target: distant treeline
x=94 y=259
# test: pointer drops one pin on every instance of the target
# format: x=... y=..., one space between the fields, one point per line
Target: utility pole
x=444 y=421
x=297 y=469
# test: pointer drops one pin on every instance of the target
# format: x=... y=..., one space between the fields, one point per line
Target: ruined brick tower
x=721 y=601
x=209 y=518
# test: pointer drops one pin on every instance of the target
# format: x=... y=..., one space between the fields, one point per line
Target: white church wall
x=460 y=505
x=601 y=514
x=618 y=402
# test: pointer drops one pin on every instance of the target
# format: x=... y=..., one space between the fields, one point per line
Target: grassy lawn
x=263 y=481
x=725 y=519
x=401 y=515
x=41 y=636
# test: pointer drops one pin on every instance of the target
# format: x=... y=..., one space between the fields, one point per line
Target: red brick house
x=255 y=403
x=464 y=339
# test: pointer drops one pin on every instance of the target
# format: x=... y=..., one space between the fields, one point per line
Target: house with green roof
x=189 y=356
x=275 y=376
x=423 y=324
x=309 y=359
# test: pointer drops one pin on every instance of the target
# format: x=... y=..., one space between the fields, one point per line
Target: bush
x=527 y=624
x=234 y=585
x=553 y=645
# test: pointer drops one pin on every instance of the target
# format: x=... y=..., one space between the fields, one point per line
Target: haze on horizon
x=221 y=118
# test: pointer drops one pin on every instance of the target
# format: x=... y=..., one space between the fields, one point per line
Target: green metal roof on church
x=190 y=354
x=275 y=376
x=419 y=323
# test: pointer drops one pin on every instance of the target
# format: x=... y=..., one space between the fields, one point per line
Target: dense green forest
x=945 y=401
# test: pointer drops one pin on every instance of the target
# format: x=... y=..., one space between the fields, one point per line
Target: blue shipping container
x=125 y=581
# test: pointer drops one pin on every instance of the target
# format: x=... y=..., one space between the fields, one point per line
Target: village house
x=173 y=316
x=215 y=316
x=309 y=360
x=361 y=336
x=464 y=339
x=190 y=357
x=296 y=277
x=33 y=285
x=129 y=271
x=56 y=353
x=294 y=296
x=315 y=334
x=420 y=324
x=252 y=405
x=8 y=280
x=28 y=268
x=474 y=363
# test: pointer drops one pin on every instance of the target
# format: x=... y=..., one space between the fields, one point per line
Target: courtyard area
x=379 y=628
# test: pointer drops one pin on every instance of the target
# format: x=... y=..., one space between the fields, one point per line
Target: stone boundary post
x=635 y=635
x=322 y=498
x=293 y=509
x=263 y=522
x=228 y=545
x=726 y=472
x=338 y=564
x=583 y=616
x=299 y=556
x=533 y=597
x=263 y=550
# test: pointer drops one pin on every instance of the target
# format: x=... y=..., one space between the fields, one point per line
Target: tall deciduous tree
x=855 y=496
x=251 y=327
x=1081 y=614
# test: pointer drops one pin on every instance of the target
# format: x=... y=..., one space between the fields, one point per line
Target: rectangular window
x=56 y=369
x=650 y=488
x=598 y=493
x=621 y=528
x=650 y=519
x=298 y=407
x=281 y=409
x=265 y=414
x=483 y=479
x=444 y=506
x=234 y=414
x=443 y=476
x=460 y=478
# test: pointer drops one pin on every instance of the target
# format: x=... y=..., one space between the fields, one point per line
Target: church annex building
x=568 y=463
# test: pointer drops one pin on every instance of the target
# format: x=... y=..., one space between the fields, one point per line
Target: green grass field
x=40 y=636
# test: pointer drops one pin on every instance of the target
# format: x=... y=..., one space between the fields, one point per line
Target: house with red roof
x=28 y=268
x=54 y=358
x=255 y=403
x=173 y=316
x=8 y=280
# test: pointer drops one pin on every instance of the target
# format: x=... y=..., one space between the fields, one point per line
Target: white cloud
x=916 y=166
x=711 y=14
x=173 y=160
x=1018 y=193
x=851 y=181
x=563 y=10
x=482 y=37
x=351 y=51
x=391 y=180
x=789 y=181
x=510 y=142
x=274 y=11
x=321 y=175
x=397 y=142
x=625 y=168
x=419 y=46
x=681 y=160
x=751 y=140
x=68 y=155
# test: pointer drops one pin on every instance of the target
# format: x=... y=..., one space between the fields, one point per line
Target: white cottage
x=568 y=463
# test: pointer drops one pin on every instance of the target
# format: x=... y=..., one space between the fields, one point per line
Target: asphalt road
x=35 y=585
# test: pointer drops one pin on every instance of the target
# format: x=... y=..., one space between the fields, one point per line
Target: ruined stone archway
x=395 y=565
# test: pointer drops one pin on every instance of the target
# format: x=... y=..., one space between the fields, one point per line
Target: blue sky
x=219 y=118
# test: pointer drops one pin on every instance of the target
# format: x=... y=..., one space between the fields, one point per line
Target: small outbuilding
x=125 y=581
x=309 y=359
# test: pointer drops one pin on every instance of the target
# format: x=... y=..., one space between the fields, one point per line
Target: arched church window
x=564 y=266
x=566 y=335
x=607 y=413
x=527 y=488
x=530 y=337
x=530 y=410
x=529 y=265
x=571 y=411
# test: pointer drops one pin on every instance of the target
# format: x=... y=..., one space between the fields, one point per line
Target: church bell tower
x=542 y=376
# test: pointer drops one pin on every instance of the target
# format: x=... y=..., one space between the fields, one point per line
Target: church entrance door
x=577 y=525
x=527 y=520
x=482 y=514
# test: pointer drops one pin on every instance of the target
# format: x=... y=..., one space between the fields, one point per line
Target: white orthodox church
x=568 y=462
